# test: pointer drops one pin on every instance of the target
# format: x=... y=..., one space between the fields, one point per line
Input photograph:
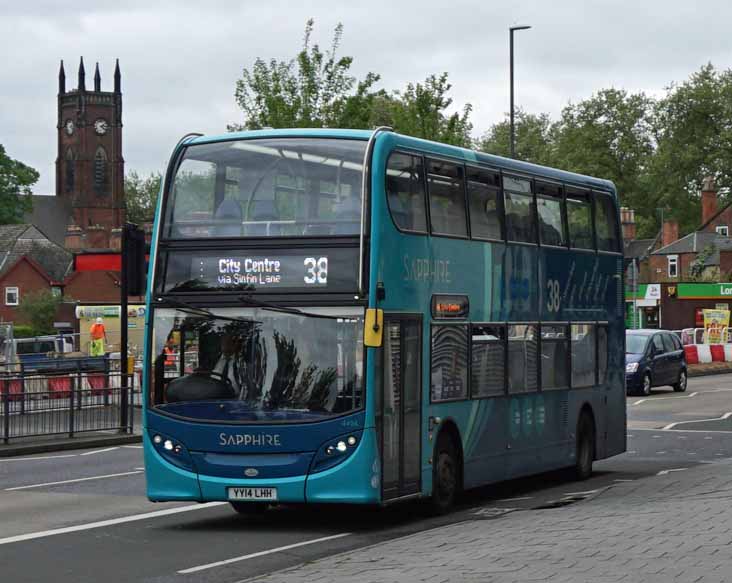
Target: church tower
x=89 y=165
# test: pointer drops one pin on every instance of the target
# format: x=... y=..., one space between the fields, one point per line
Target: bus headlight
x=172 y=451
x=334 y=451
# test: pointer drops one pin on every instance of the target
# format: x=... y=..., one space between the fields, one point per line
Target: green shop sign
x=703 y=291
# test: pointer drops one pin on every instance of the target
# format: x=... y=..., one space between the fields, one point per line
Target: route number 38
x=554 y=298
x=317 y=270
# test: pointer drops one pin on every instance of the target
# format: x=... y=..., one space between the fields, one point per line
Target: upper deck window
x=486 y=204
x=606 y=223
x=405 y=192
x=579 y=218
x=447 y=198
x=283 y=187
x=520 y=215
x=549 y=206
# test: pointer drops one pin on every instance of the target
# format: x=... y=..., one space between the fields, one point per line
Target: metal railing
x=69 y=402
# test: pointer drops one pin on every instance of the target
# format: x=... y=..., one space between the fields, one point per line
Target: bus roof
x=427 y=146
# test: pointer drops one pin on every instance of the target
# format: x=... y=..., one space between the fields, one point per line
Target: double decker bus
x=344 y=316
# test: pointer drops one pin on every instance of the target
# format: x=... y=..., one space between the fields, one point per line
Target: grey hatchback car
x=653 y=358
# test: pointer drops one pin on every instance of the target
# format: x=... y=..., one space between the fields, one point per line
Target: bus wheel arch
x=447 y=467
x=585 y=443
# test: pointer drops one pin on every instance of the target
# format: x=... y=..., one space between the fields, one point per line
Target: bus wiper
x=285 y=309
x=198 y=311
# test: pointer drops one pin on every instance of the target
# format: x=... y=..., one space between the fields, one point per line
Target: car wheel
x=647 y=385
x=250 y=508
x=445 y=474
x=585 y=447
x=680 y=386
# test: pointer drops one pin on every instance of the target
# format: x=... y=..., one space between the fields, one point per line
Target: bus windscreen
x=286 y=187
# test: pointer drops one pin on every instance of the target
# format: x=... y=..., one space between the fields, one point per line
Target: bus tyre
x=680 y=385
x=249 y=508
x=585 y=447
x=445 y=474
x=647 y=385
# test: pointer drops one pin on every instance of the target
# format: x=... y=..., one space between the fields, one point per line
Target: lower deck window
x=488 y=360
x=522 y=358
x=584 y=357
x=449 y=365
x=554 y=357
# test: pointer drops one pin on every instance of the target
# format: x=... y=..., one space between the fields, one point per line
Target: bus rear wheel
x=250 y=508
x=585 y=447
x=445 y=474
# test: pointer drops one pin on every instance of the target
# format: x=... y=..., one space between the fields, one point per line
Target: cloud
x=180 y=59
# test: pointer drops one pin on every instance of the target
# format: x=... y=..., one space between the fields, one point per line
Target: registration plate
x=259 y=494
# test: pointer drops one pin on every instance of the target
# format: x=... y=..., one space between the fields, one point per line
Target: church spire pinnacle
x=82 y=75
x=117 y=78
x=97 y=79
x=61 y=79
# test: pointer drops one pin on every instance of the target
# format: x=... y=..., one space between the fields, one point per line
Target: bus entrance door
x=401 y=405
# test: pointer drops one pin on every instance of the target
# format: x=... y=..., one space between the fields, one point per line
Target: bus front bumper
x=354 y=481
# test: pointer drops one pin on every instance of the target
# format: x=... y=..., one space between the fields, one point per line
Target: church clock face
x=101 y=126
x=69 y=127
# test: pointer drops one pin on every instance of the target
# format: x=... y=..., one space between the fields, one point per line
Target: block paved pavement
x=673 y=527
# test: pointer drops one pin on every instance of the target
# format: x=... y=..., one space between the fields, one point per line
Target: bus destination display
x=290 y=271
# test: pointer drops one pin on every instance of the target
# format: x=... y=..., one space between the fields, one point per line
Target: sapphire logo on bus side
x=270 y=439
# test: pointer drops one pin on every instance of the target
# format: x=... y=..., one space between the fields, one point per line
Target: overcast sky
x=180 y=59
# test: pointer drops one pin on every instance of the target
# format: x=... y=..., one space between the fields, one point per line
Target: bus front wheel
x=249 y=508
x=445 y=474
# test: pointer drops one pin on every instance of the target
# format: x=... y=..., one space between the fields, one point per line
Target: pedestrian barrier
x=707 y=353
x=66 y=402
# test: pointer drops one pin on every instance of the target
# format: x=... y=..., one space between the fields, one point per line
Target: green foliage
x=16 y=180
x=316 y=89
x=141 y=196
x=534 y=139
x=697 y=268
x=39 y=309
x=23 y=331
x=694 y=135
x=419 y=111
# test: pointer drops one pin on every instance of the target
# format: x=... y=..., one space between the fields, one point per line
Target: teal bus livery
x=347 y=316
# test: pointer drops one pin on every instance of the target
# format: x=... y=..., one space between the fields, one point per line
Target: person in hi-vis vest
x=98 y=337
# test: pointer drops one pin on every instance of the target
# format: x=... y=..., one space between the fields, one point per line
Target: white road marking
x=514 y=499
x=656 y=437
x=262 y=553
x=72 y=481
x=666 y=472
x=619 y=480
x=660 y=452
x=632 y=452
x=103 y=523
x=142 y=469
x=722 y=418
x=684 y=430
x=654 y=399
x=586 y=493
x=99 y=451
x=31 y=459
x=133 y=446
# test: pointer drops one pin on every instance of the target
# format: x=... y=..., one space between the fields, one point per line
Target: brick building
x=87 y=210
x=671 y=279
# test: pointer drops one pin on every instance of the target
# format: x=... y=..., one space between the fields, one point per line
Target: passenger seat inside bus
x=228 y=219
x=264 y=212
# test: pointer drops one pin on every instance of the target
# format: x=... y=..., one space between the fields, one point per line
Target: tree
x=694 y=136
x=534 y=139
x=610 y=135
x=420 y=111
x=314 y=89
x=16 y=180
x=39 y=309
x=141 y=196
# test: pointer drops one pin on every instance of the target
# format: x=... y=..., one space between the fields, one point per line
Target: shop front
x=642 y=307
x=683 y=304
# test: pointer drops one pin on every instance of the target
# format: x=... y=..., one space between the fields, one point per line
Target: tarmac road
x=82 y=516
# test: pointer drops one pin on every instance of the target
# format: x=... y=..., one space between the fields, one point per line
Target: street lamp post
x=513 y=136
